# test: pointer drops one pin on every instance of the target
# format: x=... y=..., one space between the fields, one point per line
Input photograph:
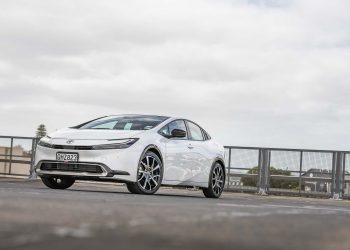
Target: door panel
x=186 y=159
x=202 y=161
x=177 y=155
x=201 y=154
x=178 y=161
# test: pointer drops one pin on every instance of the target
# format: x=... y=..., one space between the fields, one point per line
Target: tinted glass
x=106 y=125
x=125 y=123
x=165 y=131
x=178 y=124
x=195 y=132
x=206 y=135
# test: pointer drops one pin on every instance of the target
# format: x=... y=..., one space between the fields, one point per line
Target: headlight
x=45 y=142
x=122 y=143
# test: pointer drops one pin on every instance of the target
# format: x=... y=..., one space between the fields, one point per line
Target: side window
x=206 y=135
x=195 y=132
x=164 y=131
x=178 y=124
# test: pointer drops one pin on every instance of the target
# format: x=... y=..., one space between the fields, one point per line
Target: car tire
x=58 y=182
x=216 y=182
x=132 y=188
x=149 y=175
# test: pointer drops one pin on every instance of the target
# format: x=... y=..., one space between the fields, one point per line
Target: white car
x=142 y=151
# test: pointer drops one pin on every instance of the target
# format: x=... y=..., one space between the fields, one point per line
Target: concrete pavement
x=100 y=216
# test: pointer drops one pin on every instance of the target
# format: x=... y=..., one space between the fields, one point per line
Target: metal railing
x=302 y=172
x=17 y=155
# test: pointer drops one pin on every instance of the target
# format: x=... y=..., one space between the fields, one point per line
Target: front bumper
x=76 y=169
x=118 y=164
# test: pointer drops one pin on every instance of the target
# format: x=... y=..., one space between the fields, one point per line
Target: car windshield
x=124 y=123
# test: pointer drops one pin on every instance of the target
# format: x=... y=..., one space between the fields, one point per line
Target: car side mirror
x=178 y=133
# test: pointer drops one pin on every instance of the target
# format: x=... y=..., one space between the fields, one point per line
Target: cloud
x=252 y=72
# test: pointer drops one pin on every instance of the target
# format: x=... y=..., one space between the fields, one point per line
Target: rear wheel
x=149 y=175
x=216 y=182
x=58 y=182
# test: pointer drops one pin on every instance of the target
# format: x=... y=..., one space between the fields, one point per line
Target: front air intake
x=71 y=167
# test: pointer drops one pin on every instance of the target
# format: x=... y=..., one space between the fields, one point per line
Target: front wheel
x=58 y=182
x=216 y=182
x=149 y=175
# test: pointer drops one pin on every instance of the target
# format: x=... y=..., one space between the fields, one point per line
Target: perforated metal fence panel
x=17 y=155
x=302 y=172
x=243 y=169
x=285 y=171
x=346 y=176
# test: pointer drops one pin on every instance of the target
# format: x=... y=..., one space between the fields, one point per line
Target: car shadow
x=128 y=193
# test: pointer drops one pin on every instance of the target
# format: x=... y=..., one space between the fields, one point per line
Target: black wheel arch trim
x=152 y=146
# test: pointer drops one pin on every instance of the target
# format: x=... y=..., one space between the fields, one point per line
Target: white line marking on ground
x=285 y=206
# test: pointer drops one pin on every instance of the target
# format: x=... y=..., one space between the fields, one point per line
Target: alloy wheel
x=149 y=173
x=217 y=179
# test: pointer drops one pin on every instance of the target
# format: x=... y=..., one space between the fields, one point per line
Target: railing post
x=229 y=168
x=300 y=171
x=11 y=152
x=264 y=171
x=337 y=176
x=32 y=174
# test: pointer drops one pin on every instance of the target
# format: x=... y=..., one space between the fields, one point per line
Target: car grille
x=72 y=147
x=71 y=167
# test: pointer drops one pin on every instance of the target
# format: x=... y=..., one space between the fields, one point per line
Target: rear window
x=124 y=123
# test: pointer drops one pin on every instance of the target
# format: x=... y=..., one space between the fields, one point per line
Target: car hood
x=95 y=134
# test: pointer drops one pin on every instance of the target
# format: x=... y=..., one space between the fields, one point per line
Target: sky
x=267 y=73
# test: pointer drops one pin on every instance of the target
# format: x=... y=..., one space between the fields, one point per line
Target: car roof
x=139 y=115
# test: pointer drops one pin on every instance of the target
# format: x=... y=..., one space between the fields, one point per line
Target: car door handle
x=190 y=146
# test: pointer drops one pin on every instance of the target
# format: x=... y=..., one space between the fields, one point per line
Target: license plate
x=67 y=157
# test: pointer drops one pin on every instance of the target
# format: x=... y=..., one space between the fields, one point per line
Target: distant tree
x=274 y=183
x=41 y=131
